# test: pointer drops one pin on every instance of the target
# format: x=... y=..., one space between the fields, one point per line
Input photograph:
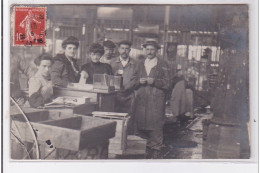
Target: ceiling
x=190 y=17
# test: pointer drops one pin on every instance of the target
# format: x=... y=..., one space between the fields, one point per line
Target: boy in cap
x=109 y=47
x=65 y=68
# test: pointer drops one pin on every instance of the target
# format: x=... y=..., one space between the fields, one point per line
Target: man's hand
x=120 y=72
x=84 y=75
x=150 y=81
x=142 y=80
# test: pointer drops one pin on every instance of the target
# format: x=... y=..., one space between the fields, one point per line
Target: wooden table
x=104 y=99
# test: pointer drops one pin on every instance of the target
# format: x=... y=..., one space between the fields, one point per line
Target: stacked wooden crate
x=135 y=145
x=118 y=144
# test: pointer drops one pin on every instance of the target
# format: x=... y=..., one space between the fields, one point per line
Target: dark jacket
x=125 y=99
x=62 y=71
x=96 y=68
x=150 y=99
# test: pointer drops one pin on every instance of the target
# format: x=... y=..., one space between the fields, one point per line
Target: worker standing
x=152 y=84
x=125 y=66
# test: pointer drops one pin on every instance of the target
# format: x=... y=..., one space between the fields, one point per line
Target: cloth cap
x=126 y=42
x=153 y=43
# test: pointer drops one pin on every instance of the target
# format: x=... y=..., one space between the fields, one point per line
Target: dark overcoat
x=62 y=72
x=150 y=99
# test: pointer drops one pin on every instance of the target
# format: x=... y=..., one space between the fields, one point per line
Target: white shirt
x=124 y=62
x=38 y=83
x=149 y=64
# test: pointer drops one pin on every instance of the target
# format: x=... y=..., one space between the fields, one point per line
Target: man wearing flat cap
x=109 y=47
x=125 y=66
x=153 y=81
x=65 y=68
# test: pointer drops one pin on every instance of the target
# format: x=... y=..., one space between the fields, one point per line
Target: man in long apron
x=152 y=84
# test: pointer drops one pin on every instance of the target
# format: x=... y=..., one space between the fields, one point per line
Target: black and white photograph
x=129 y=82
x=134 y=85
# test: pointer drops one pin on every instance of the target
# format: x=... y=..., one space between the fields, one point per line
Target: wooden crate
x=103 y=82
x=74 y=133
x=117 y=145
x=135 y=145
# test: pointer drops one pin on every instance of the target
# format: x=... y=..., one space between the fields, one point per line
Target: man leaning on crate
x=125 y=66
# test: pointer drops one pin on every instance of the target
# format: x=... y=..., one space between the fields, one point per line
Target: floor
x=181 y=142
x=184 y=142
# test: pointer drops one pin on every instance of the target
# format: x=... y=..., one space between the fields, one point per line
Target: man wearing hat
x=109 y=47
x=153 y=80
x=65 y=69
x=125 y=66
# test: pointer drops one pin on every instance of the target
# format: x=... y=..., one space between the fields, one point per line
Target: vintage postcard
x=132 y=82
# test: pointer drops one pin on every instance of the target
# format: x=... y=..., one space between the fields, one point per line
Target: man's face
x=108 y=52
x=124 y=50
x=95 y=57
x=70 y=50
x=45 y=67
x=150 y=51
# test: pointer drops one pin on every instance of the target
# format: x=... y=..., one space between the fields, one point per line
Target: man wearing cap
x=125 y=66
x=109 y=47
x=153 y=81
x=65 y=69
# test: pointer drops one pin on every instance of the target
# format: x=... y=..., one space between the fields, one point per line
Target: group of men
x=145 y=83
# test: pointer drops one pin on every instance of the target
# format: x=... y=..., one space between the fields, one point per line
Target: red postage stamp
x=29 y=26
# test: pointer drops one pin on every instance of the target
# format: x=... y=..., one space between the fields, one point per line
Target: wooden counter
x=104 y=99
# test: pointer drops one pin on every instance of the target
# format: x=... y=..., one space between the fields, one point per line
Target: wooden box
x=58 y=91
x=74 y=133
x=103 y=82
x=117 y=145
x=85 y=109
x=135 y=145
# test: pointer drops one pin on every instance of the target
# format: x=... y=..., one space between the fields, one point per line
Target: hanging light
x=57 y=29
x=83 y=29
